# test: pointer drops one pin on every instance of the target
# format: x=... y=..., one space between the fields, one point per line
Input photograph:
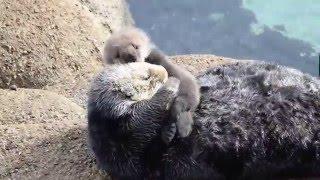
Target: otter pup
x=187 y=100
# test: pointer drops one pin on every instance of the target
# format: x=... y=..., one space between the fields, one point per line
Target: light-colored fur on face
x=137 y=81
x=127 y=45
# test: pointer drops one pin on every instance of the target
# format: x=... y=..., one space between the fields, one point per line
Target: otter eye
x=135 y=46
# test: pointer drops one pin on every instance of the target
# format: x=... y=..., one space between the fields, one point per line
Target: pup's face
x=130 y=45
x=130 y=52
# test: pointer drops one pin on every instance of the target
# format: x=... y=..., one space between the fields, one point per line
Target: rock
x=13 y=87
x=54 y=44
x=197 y=64
x=108 y=12
x=43 y=136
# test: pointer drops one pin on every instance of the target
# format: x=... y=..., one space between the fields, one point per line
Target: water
x=282 y=31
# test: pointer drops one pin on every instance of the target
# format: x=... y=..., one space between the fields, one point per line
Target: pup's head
x=128 y=45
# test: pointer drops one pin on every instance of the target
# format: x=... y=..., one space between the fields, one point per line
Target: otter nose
x=132 y=58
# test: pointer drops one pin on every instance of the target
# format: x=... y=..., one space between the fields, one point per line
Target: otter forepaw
x=184 y=123
x=172 y=84
x=156 y=57
x=158 y=72
x=168 y=132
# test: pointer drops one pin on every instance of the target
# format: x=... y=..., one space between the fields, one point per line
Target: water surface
x=282 y=31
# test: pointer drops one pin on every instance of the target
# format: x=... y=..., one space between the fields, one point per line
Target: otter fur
x=139 y=81
x=132 y=44
x=127 y=45
x=122 y=125
x=185 y=104
x=254 y=121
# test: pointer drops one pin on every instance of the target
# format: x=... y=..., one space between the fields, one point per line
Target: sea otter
x=127 y=107
x=132 y=44
x=255 y=120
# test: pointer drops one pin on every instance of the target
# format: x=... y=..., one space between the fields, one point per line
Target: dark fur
x=122 y=132
x=254 y=121
x=186 y=101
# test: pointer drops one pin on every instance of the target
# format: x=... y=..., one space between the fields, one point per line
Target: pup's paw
x=184 y=123
x=172 y=84
x=156 y=57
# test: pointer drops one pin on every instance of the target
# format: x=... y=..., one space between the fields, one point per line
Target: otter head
x=128 y=45
x=137 y=81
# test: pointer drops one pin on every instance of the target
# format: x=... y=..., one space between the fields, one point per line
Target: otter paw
x=172 y=84
x=168 y=132
x=158 y=72
x=184 y=123
x=156 y=57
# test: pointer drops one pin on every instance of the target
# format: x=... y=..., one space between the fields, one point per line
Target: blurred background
x=283 y=31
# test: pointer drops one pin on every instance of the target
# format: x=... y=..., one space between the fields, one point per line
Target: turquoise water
x=300 y=19
x=285 y=32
